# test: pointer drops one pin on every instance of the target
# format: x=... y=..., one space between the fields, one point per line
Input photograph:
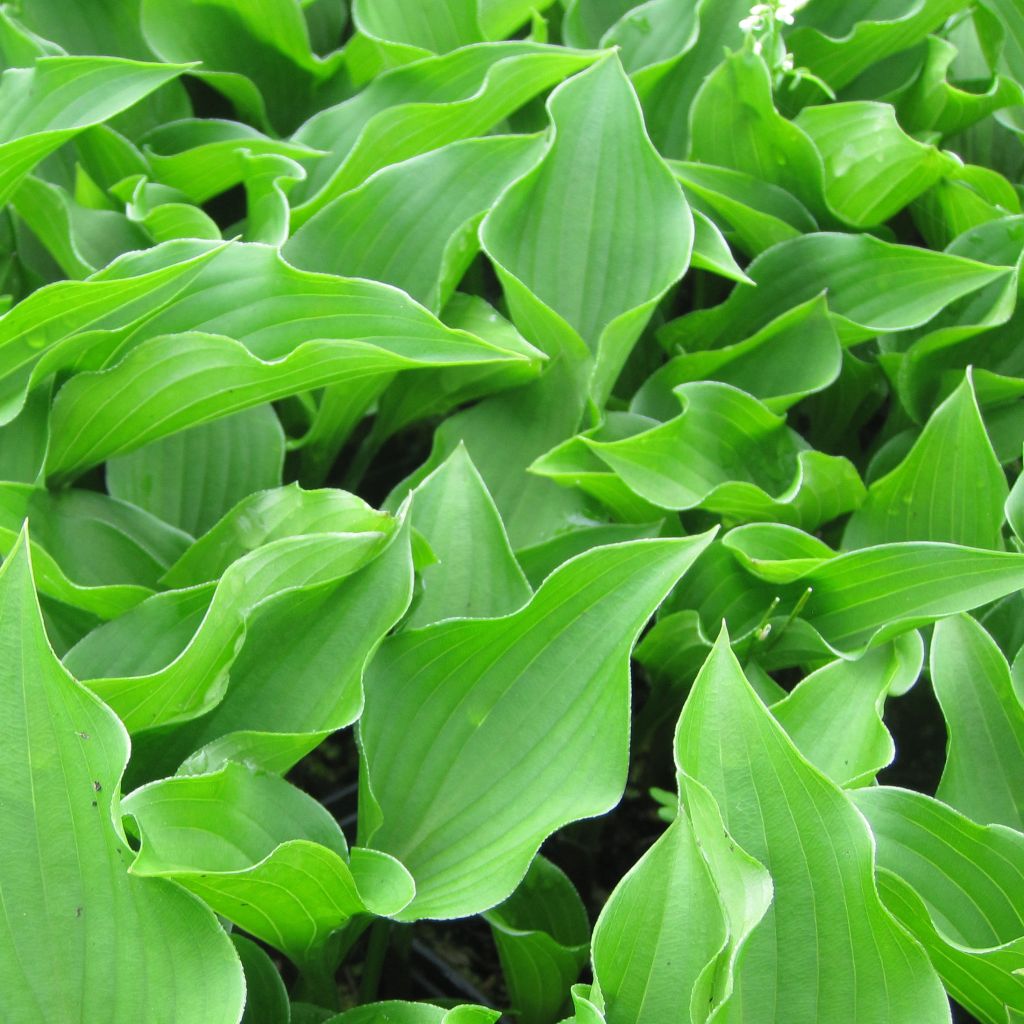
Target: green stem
x=373 y=966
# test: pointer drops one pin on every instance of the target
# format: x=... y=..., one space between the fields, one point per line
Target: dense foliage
x=377 y=386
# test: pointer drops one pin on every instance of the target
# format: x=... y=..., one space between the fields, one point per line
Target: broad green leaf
x=266 y=998
x=504 y=434
x=203 y=158
x=414 y=224
x=873 y=169
x=653 y=33
x=753 y=213
x=57 y=326
x=862 y=598
x=93 y=552
x=726 y=453
x=734 y=124
x=935 y=104
x=586 y=21
x=462 y=822
x=796 y=355
x=259 y=721
x=834 y=715
x=80 y=239
x=542 y=935
x=46 y=105
x=195 y=679
x=476 y=575
x=257 y=53
x=191 y=479
x=249 y=321
x=265 y=855
x=67 y=894
x=921 y=284
x=599 y=280
x=670 y=934
x=950 y=487
x=838 y=41
x=434 y=26
x=422 y=107
x=818 y=850
x=985 y=720
x=956 y=886
x=668 y=90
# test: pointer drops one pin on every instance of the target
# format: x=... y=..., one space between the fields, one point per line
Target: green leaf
x=466 y=834
x=93 y=552
x=837 y=43
x=258 y=721
x=834 y=715
x=195 y=678
x=414 y=224
x=257 y=54
x=274 y=343
x=542 y=935
x=794 y=356
x=266 y=998
x=265 y=855
x=67 y=893
x=985 y=720
x=476 y=575
x=873 y=169
x=671 y=932
x=752 y=212
x=950 y=487
x=599 y=280
x=956 y=886
x=46 y=105
x=921 y=284
x=422 y=107
x=191 y=479
x=396 y=1012
x=863 y=598
x=819 y=853
x=726 y=453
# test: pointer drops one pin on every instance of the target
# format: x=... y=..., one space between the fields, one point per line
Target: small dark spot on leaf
x=82 y=735
x=78 y=911
x=95 y=803
x=97 y=785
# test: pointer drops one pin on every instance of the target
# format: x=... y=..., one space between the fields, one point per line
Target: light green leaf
x=467 y=834
x=476 y=575
x=265 y=855
x=266 y=998
x=422 y=107
x=726 y=453
x=921 y=284
x=873 y=169
x=203 y=158
x=753 y=213
x=414 y=224
x=957 y=887
x=93 y=552
x=195 y=679
x=985 y=720
x=838 y=41
x=67 y=895
x=191 y=479
x=834 y=715
x=542 y=935
x=46 y=105
x=599 y=280
x=950 y=487
x=396 y=1012
x=796 y=355
x=818 y=849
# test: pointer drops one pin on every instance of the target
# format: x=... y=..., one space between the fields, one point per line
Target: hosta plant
x=511 y=509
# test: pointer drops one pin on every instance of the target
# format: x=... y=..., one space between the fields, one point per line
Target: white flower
x=751 y=24
x=787 y=62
